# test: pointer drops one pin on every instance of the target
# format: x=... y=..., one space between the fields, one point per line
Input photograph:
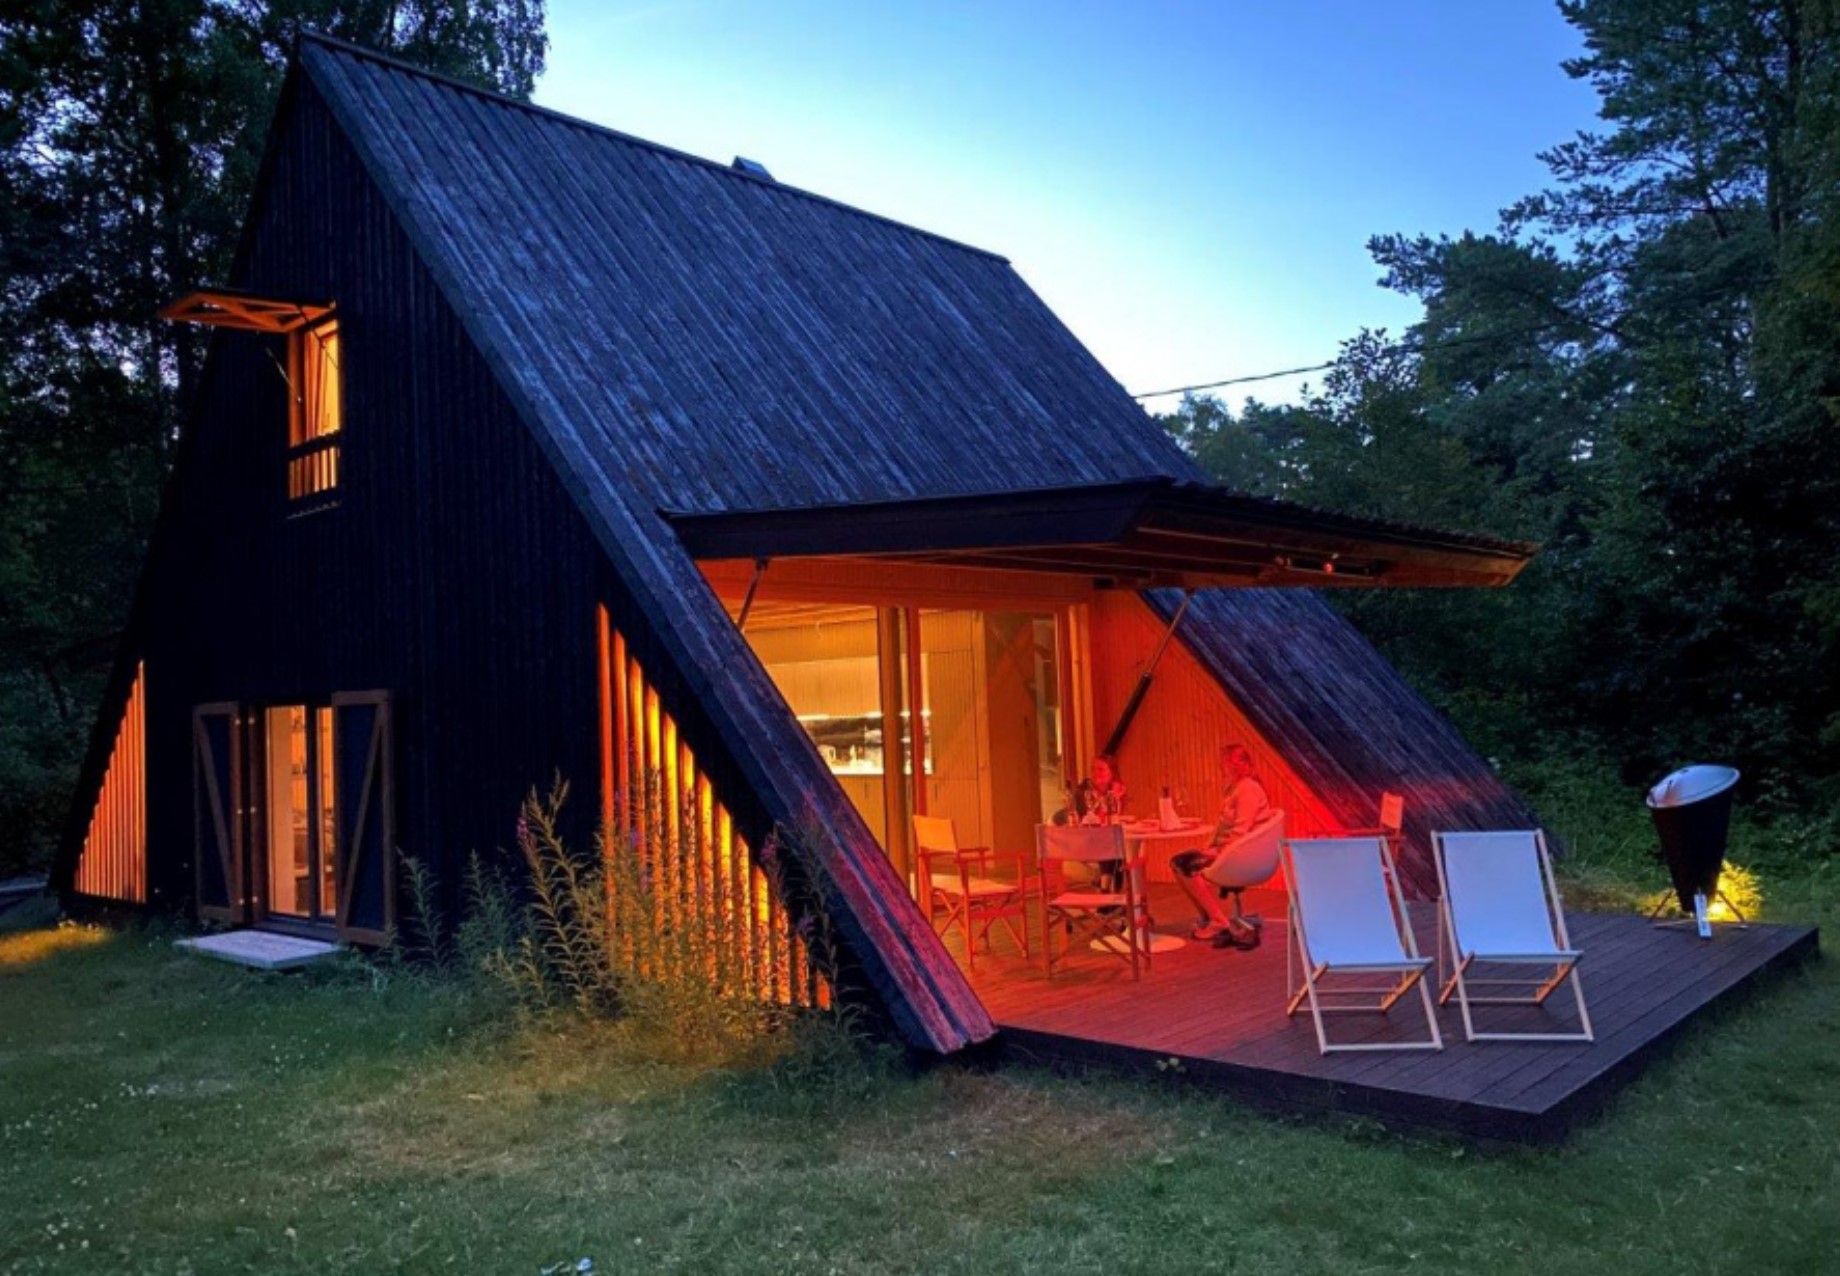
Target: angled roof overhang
x=1143 y=534
x=246 y=312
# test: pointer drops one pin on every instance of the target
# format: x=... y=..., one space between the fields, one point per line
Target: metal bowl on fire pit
x=1692 y=813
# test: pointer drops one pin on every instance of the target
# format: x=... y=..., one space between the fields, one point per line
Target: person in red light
x=1243 y=804
x=1101 y=799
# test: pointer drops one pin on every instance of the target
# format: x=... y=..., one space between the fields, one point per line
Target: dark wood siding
x=454 y=572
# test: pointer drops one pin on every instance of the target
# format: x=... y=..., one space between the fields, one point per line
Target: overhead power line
x=1400 y=348
x=1215 y=385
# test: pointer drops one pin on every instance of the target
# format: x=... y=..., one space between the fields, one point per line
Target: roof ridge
x=365 y=53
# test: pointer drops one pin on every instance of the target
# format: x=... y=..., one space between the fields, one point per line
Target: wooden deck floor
x=1222 y=1014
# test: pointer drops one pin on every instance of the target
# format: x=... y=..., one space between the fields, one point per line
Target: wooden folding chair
x=1348 y=918
x=1392 y=825
x=963 y=888
x=1110 y=911
x=1500 y=907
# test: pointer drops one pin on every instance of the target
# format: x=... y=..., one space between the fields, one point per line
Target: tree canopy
x=1638 y=367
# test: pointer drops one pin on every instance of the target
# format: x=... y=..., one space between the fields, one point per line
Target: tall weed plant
x=611 y=934
x=674 y=962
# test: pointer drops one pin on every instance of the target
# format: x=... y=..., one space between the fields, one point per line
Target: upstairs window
x=315 y=416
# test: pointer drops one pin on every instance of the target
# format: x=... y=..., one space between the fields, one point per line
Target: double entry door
x=293 y=817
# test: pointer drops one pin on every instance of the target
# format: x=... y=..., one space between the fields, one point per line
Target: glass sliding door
x=325 y=853
x=1052 y=772
x=991 y=695
x=826 y=661
x=988 y=752
x=301 y=840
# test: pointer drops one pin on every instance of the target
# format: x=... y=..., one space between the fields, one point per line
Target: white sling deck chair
x=1348 y=917
x=1500 y=906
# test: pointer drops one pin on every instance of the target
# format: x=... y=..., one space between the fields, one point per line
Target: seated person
x=1242 y=806
x=1101 y=799
x=1098 y=801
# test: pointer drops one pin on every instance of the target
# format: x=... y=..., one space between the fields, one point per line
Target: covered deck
x=1218 y=1018
x=967 y=658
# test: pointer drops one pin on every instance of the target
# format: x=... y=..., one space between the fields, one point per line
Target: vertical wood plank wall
x=113 y=864
x=704 y=882
x=1186 y=718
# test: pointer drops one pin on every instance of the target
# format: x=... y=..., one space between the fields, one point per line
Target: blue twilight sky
x=1189 y=185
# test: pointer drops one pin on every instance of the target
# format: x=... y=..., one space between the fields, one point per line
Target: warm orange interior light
x=113 y=863
x=702 y=874
x=316 y=412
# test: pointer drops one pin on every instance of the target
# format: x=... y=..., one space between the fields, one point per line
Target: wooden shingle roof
x=1344 y=719
x=731 y=342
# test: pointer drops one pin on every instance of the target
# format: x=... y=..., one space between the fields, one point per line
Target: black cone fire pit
x=1692 y=813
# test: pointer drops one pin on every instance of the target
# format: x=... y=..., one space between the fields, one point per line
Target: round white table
x=1150 y=835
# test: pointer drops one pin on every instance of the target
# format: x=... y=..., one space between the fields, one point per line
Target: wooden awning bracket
x=244 y=312
x=1116 y=739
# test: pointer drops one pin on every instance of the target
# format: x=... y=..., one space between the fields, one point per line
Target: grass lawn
x=159 y=1113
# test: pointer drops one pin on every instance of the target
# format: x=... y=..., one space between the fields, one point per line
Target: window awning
x=246 y=312
x=1143 y=534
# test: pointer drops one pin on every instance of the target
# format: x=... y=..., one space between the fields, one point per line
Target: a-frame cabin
x=502 y=416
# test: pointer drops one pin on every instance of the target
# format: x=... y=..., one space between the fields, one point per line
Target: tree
x=1704 y=209
x=1256 y=452
x=1639 y=369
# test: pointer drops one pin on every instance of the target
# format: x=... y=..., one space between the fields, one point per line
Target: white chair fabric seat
x=978 y=886
x=1342 y=890
x=1088 y=899
x=961 y=895
x=1500 y=904
x=1349 y=918
x=1112 y=921
x=1496 y=894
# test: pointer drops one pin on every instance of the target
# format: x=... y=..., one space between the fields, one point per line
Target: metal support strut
x=1142 y=689
x=747 y=600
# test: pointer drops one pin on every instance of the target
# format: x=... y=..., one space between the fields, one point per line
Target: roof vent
x=753 y=168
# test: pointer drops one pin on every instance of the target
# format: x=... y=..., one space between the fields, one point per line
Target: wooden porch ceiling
x=1146 y=534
